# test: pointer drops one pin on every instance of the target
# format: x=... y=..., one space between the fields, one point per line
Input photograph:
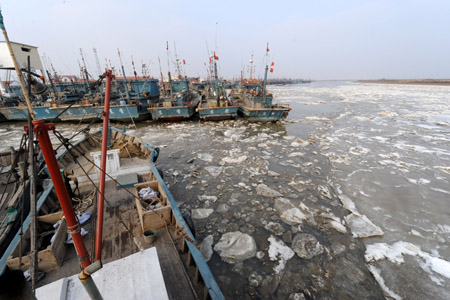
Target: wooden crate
x=48 y=259
x=158 y=217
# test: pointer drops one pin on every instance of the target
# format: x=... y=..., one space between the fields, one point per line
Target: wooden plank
x=153 y=220
x=177 y=284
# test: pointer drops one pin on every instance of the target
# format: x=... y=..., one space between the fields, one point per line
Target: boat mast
x=162 y=77
x=251 y=68
x=85 y=71
x=124 y=76
x=99 y=68
x=265 y=75
x=177 y=61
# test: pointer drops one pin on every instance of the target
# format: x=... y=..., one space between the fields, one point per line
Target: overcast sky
x=307 y=39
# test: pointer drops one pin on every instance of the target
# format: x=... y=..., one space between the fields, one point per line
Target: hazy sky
x=307 y=39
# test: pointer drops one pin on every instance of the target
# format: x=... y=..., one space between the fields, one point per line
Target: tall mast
x=251 y=68
x=85 y=69
x=99 y=68
x=162 y=77
x=177 y=60
x=124 y=76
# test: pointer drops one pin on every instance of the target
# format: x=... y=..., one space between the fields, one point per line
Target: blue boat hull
x=218 y=113
x=175 y=113
x=85 y=113
x=263 y=114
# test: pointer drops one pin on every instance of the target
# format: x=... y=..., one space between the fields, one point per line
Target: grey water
x=384 y=148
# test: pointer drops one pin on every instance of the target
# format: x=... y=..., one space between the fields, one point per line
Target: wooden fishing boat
x=131 y=166
x=179 y=103
x=216 y=105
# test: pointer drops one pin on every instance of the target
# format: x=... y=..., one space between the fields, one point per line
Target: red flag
x=271 y=70
x=268 y=48
x=184 y=62
x=210 y=60
x=272 y=64
x=167 y=47
x=215 y=57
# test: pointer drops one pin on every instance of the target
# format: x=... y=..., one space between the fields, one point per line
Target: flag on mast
x=272 y=64
x=184 y=62
x=167 y=45
x=268 y=47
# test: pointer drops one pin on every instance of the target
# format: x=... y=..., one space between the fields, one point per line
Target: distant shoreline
x=445 y=82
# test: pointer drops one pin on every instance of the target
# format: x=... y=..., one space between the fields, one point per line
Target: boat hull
x=263 y=114
x=218 y=113
x=175 y=113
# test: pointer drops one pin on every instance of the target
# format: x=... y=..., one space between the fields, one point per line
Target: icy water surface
x=349 y=198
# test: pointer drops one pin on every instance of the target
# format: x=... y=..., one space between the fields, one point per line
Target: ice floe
x=306 y=246
x=361 y=226
x=235 y=246
x=264 y=190
x=279 y=251
x=201 y=213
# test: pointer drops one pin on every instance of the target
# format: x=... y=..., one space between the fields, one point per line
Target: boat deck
x=118 y=243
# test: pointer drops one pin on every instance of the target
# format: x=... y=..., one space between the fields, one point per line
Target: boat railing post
x=101 y=184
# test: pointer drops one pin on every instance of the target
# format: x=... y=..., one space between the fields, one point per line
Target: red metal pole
x=101 y=185
x=52 y=165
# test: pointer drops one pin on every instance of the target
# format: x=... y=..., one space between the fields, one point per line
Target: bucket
x=149 y=236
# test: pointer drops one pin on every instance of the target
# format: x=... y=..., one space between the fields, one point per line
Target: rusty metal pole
x=73 y=226
x=101 y=185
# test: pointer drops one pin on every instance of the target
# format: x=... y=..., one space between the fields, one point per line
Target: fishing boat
x=178 y=103
x=144 y=248
x=216 y=105
x=256 y=103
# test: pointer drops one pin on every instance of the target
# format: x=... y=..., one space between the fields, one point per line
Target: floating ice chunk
x=234 y=160
x=361 y=226
x=299 y=143
x=201 y=213
x=272 y=173
x=386 y=291
x=264 y=190
x=293 y=216
x=329 y=220
x=235 y=246
x=206 y=247
x=296 y=154
x=306 y=245
x=223 y=208
x=207 y=198
x=279 y=251
x=214 y=171
x=388 y=114
x=275 y=228
x=205 y=157
x=323 y=190
x=347 y=203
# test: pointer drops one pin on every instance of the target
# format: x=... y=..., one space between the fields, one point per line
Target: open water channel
x=346 y=199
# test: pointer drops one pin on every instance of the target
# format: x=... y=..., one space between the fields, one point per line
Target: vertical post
x=100 y=202
x=55 y=174
x=33 y=228
x=264 y=87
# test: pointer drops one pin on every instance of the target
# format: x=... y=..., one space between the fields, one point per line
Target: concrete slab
x=134 y=277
